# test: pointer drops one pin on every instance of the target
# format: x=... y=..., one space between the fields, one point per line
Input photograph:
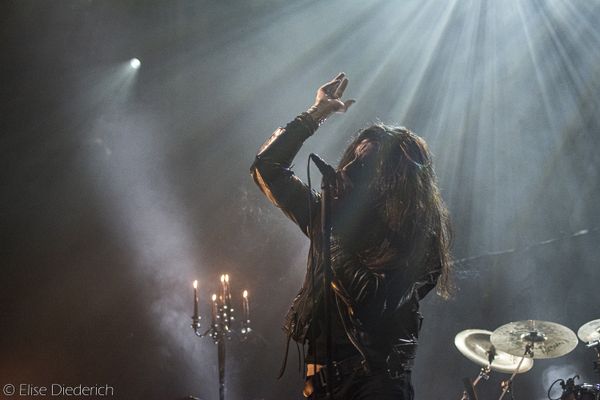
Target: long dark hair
x=408 y=201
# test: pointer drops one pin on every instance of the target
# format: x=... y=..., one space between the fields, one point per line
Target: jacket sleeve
x=272 y=172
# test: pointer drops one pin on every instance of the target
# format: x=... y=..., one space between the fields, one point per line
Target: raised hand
x=328 y=99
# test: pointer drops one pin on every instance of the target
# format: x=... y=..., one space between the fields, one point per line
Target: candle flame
x=245 y=294
x=214 y=297
x=196 y=284
x=227 y=278
x=222 y=278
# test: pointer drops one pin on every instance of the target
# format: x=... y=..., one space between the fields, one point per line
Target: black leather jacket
x=379 y=309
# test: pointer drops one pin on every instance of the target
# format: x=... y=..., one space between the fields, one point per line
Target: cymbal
x=589 y=331
x=475 y=344
x=549 y=339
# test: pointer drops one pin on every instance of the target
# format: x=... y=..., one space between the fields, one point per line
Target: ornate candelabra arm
x=196 y=324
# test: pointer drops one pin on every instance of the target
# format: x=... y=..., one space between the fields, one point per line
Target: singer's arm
x=272 y=172
x=362 y=289
x=271 y=169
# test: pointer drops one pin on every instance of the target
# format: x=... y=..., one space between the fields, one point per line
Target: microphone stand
x=327 y=185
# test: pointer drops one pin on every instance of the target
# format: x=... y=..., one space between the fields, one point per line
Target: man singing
x=389 y=247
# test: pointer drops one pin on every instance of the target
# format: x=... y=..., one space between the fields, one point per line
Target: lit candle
x=196 y=299
x=214 y=309
x=227 y=291
x=223 y=290
x=246 y=306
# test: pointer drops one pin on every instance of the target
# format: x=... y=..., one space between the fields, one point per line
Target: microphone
x=327 y=170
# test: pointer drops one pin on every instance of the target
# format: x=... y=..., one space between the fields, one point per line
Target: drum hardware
x=589 y=333
x=469 y=392
x=546 y=339
x=596 y=346
x=569 y=384
x=527 y=340
x=507 y=384
x=475 y=344
x=567 y=387
x=587 y=391
x=532 y=339
x=571 y=391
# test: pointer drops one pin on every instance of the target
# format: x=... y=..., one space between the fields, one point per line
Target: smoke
x=128 y=167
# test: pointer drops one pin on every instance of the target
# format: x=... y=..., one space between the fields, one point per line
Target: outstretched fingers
x=348 y=103
x=329 y=95
x=331 y=87
x=339 y=91
x=339 y=76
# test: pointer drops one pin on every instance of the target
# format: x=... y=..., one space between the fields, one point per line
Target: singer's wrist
x=318 y=114
x=307 y=122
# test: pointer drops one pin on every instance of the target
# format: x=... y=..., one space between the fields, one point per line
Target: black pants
x=375 y=386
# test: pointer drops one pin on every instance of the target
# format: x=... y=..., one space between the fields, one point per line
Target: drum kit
x=511 y=349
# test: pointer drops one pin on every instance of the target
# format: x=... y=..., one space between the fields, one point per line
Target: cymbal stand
x=484 y=373
x=596 y=346
x=506 y=385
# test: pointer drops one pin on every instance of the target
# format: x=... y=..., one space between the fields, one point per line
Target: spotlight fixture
x=135 y=63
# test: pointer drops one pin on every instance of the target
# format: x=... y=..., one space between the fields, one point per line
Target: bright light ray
x=145 y=213
x=493 y=87
x=538 y=66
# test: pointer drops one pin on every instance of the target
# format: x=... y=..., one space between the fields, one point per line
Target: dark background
x=122 y=186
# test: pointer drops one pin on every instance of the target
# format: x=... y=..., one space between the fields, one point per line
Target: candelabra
x=222 y=319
